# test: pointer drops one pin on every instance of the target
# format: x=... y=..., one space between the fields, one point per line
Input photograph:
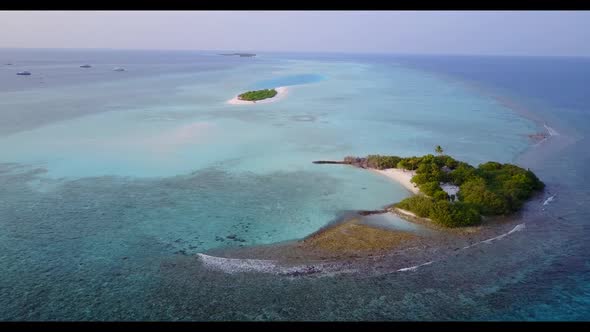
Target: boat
x=119 y=69
x=23 y=73
x=85 y=66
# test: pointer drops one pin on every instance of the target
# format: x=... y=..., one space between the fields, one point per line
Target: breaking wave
x=516 y=228
x=548 y=200
x=415 y=267
x=551 y=131
x=236 y=265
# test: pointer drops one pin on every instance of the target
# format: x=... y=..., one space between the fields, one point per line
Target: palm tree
x=438 y=150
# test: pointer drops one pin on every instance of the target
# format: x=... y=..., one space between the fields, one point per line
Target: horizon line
x=301 y=52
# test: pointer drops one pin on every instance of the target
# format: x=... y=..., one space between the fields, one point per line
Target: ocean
x=113 y=182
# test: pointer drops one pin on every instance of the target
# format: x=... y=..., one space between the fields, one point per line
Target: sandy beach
x=281 y=93
x=402 y=176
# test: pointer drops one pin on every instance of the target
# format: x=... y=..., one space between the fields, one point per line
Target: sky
x=417 y=32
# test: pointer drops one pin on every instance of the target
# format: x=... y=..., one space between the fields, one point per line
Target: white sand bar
x=402 y=176
x=281 y=93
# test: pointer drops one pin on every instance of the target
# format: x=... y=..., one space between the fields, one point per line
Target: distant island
x=243 y=55
x=449 y=192
x=258 y=95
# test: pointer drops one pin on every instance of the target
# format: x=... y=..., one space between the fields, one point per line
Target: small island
x=449 y=196
x=258 y=95
x=452 y=193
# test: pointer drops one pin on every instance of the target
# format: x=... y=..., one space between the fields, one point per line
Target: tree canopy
x=258 y=95
x=490 y=189
x=438 y=149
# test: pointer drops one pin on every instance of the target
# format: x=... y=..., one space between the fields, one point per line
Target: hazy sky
x=463 y=32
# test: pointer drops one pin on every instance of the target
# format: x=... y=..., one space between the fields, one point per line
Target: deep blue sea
x=112 y=182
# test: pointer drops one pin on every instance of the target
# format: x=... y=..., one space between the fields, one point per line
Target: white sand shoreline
x=281 y=93
x=401 y=176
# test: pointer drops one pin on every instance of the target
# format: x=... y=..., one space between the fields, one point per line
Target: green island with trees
x=491 y=189
x=258 y=95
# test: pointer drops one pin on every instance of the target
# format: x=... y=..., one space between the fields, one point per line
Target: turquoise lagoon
x=107 y=180
x=186 y=130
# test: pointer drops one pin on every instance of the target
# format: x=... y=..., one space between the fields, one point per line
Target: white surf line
x=233 y=265
x=541 y=141
x=516 y=228
x=551 y=131
x=415 y=267
x=548 y=200
x=236 y=265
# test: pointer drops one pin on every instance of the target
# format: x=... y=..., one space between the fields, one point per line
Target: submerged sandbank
x=281 y=93
x=352 y=244
x=351 y=237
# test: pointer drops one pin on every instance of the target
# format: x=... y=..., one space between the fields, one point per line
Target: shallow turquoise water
x=109 y=181
x=288 y=80
x=190 y=130
x=391 y=221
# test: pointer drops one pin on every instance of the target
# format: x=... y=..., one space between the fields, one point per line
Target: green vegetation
x=258 y=94
x=490 y=189
x=442 y=211
x=382 y=162
x=438 y=150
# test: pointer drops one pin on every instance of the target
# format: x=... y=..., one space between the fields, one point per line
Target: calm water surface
x=112 y=181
